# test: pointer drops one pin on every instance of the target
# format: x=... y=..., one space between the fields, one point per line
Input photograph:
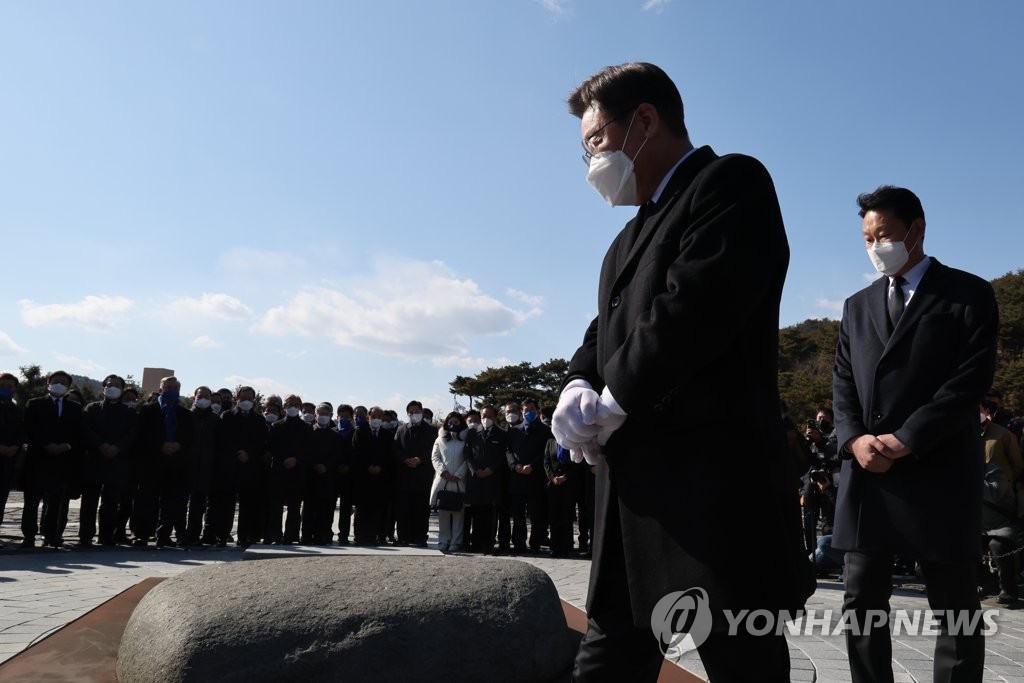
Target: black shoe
x=140 y=543
x=27 y=544
x=222 y=544
x=1005 y=598
x=165 y=543
x=85 y=543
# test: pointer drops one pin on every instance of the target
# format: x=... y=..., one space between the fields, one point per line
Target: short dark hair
x=118 y=378
x=10 y=377
x=413 y=404
x=345 y=408
x=903 y=203
x=828 y=411
x=619 y=89
x=58 y=373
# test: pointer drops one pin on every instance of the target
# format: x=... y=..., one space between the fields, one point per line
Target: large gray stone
x=446 y=619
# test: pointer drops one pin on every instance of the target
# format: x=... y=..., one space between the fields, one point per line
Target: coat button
x=877 y=416
x=616 y=300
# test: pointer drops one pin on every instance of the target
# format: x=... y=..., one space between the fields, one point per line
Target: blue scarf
x=169 y=408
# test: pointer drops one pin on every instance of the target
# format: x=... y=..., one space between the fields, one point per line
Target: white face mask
x=246 y=406
x=611 y=174
x=113 y=393
x=323 y=420
x=271 y=417
x=216 y=408
x=58 y=389
x=203 y=403
x=415 y=418
x=375 y=423
x=309 y=417
x=131 y=404
x=291 y=411
x=486 y=423
x=889 y=257
x=512 y=418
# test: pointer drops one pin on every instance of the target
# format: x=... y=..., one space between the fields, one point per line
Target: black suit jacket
x=923 y=384
x=687 y=328
x=42 y=427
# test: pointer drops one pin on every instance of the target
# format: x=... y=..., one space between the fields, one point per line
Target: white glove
x=589 y=451
x=610 y=416
x=574 y=422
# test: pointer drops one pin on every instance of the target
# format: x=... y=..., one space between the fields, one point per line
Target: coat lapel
x=650 y=216
x=879 y=310
x=923 y=300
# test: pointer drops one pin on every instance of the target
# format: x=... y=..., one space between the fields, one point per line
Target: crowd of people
x=1003 y=497
x=154 y=471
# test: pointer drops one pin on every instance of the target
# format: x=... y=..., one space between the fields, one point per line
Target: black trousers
x=53 y=494
x=281 y=500
x=950 y=586
x=369 y=519
x=535 y=504
x=413 y=516
x=561 y=504
x=614 y=649
x=484 y=517
x=102 y=498
x=220 y=516
x=197 y=509
x=251 y=515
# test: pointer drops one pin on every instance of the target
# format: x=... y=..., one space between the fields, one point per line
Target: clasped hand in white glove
x=575 y=419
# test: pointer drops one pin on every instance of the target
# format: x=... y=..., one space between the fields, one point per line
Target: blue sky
x=358 y=201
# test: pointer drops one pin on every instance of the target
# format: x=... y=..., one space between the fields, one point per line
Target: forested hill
x=806 y=352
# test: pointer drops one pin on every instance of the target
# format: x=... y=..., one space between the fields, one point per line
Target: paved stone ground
x=43 y=590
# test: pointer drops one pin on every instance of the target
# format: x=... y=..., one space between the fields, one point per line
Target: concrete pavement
x=43 y=590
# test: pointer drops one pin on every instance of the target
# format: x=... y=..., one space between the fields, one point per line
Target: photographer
x=819 y=501
x=820 y=434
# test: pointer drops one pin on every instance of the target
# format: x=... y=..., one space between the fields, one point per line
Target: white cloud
x=8 y=347
x=205 y=342
x=80 y=364
x=404 y=308
x=220 y=306
x=829 y=305
x=656 y=5
x=92 y=313
x=559 y=8
x=528 y=299
x=262 y=385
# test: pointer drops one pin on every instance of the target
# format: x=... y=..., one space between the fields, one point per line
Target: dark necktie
x=896 y=301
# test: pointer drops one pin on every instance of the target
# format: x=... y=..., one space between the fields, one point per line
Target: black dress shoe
x=27 y=543
x=85 y=543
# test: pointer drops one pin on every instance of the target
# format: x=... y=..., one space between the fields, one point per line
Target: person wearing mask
x=526 y=486
x=290 y=444
x=109 y=427
x=309 y=413
x=413 y=444
x=486 y=452
x=165 y=443
x=687 y=321
x=513 y=415
x=12 y=437
x=916 y=353
x=318 y=499
x=344 y=473
x=202 y=460
x=53 y=434
x=450 y=466
x=559 y=471
x=374 y=464
x=243 y=440
x=130 y=398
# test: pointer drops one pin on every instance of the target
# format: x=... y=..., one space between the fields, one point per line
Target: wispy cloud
x=76 y=363
x=92 y=313
x=8 y=347
x=655 y=5
x=832 y=306
x=263 y=385
x=261 y=264
x=558 y=8
x=529 y=299
x=205 y=342
x=403 y=308
x=468 y=362
x=219 y=306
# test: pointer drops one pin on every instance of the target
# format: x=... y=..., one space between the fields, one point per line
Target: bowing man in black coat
x=687 y=321
x=916 y=354
x=486 y=452
x=290 y=445
x=374 y=465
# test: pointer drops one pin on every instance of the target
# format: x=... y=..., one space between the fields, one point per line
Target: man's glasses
x=594 y=138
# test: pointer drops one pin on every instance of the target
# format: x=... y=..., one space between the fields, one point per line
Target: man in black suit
x=916 y=353
x=53 y=430
x=374 y=465
x=687 y=321
x=12 y=436
x=413 y=444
